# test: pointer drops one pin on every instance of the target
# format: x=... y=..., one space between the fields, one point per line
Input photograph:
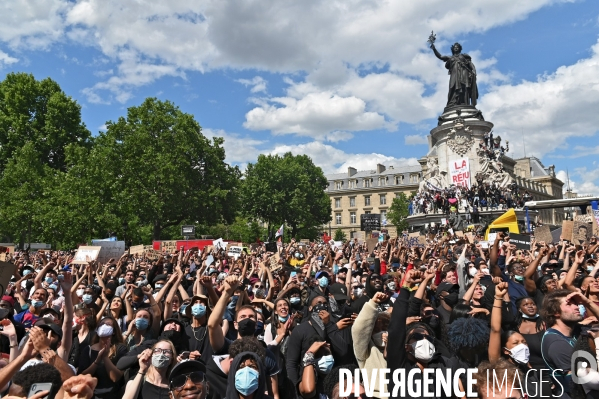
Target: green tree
x=155 y=168
x=339 y=235
x=40 y=113
x=286 y=189
x=398 y=212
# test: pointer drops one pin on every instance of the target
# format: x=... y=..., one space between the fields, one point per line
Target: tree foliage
x=286 y=189
x=398 y=212
x=339 y=235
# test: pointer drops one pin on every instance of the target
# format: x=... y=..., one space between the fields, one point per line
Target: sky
x=349 y=83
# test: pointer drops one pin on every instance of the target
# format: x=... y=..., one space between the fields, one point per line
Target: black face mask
x=451 y=299
x=432 y=321
x=319 y=307
x=246 y=327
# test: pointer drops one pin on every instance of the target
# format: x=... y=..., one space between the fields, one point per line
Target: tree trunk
x=156 y=231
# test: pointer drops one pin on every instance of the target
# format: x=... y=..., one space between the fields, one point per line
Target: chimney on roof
x=351 y=171
x=391 y=167
x=380 y=168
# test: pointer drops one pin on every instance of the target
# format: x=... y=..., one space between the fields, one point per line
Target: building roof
x=389 y=171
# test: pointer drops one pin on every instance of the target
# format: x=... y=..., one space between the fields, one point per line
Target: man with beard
x=561 y=311
x=374 y=284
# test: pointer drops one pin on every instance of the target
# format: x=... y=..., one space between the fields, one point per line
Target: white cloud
x=257 y=82
x=546 y=112
x=415 y=139
x=238 y=150
x=332 y=159
x=315 y=115
x=6 y=59
x=581 y=181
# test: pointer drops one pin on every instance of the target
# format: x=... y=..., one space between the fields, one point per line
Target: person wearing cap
x=322 y=285
x=198 y=311
x=373 y=284
x=188 y=380
x=45 y=339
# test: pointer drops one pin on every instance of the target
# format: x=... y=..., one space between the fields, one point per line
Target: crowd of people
x=480 y=196
x=201 y=324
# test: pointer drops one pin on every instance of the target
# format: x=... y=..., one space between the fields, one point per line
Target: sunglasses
x=196 y=377
x=419 y=337
x=428 y=313
x=258 y=286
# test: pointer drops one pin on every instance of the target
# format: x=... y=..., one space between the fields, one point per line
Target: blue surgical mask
x=26 y=272
x=49 y=280
x=335 y=269
x=590 y=268
x=37 y=304
x=60 y=277
x=121 y=281
x=158 y=286
x=323 y=282
x=295 y=300
x=141 y=323
x=325 y=364
x=87 y=299
x=246 y=381
x=54 y=287
x=582 y=310
x=198 y=310
x=182 y=308
x=283 y=319
x=518 y=278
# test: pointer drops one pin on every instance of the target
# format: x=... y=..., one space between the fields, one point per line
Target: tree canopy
x=398 y=212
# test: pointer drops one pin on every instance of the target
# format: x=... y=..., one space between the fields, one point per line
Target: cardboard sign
x=520 y=241
x=152 y=254
x=209 y=260
x=543 y=233
x=567 y=228
x=459 y=172
x=470 y=237
x=6 y=271
x=371 y=244
x=555 y=234
x=422 y=240
x=459 y=233
x=219 y=244
x=484 y=244
x=235 y=252
x=86 y=254
x=305 y=241
x=110 y=249
x=581 y=233
x=274 y=263
x=168 y=246
x=136 y=249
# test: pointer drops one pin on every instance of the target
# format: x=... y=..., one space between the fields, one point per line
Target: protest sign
x=520 y=241
x=470 y=237
x=219 y=244
x=556 y=234
x=305 y=241
x=168 y=246
x=443 y=221
x=492 y=237
x=422 y=240
x=371 y=243
x=459 y=233
x=6 y=271
x=567 y=228
x=581 y=233
x=459 y=172
x=484 y=244
x=274 y=263
x=136 y=249
x=271 y=246
x=152 y=254
x=235 y=251
x=110 y=249
x=370 y=222
x=209 y=260
x=86 y=254
x=543 y=233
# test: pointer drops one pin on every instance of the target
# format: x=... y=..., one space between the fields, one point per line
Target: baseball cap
x=339 y=291
x=446 y=287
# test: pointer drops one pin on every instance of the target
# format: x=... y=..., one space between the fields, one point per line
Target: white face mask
x=80 y=292
x=378 y=338
x=520 y=353
x=472 y=271
x=423 y=350
x=485 y=270
x=358 y=292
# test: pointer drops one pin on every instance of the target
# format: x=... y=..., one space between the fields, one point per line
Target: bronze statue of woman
x=462 y=80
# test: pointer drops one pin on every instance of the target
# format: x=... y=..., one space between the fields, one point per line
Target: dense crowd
x=202 y=324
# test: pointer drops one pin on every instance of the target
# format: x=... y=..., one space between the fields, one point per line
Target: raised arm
x=67 y=328
x=215 y=333
x=40 y=276
x=495 y=337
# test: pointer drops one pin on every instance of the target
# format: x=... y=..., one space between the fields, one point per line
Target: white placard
x=459 y=172
x=110 y=249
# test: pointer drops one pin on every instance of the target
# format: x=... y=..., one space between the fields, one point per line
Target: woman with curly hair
x=532 y=327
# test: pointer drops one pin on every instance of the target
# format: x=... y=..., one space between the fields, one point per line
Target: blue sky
x=349 y=83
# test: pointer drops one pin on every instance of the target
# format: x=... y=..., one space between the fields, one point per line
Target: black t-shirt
x=106 y=388
x=151 y=391
x=199 y=341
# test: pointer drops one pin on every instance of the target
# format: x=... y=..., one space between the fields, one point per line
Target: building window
x=367 y=200
x=352 y=217
x=338 y=185
x=367 y=212
x=383 y=199
x=383 y=180
x=414 y=178
x=399 y=179
x=353 y=183
x=337 y=202
x=366 y=183
x=337 y=218
x=352 y=201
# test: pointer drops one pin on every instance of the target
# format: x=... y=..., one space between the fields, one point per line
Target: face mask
x=335 y=269
x=140 y=283
x=423 y=350
x=246 y=327
x=160 y=361
x=105 y=330
x=433 y=322
x=87 y=299
x=358 y=292
x=323 y=282
x=141 y=324
x=325 y=364
x=260 y=293
x=451 y=299
x=297 y=254
x=60 y=277
x=259 y=328
x=198 y=310
x=295 y=300
x=520 y=353
x=519 y=278
x=246 y=381
x=319 y=263
x=158 y=286
x=37 y=304
x=378 y=338
x=525 y=316
x=26 y=272
x=283 y=319
x=182 y=308
x=539 y=268
x=54 y=287
x=582 y=310
x=80 y=293
x=485 y=270
x=391 y=286
x=472 y=271
x=590 y=268
x=121 y=281
x=49 y=280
